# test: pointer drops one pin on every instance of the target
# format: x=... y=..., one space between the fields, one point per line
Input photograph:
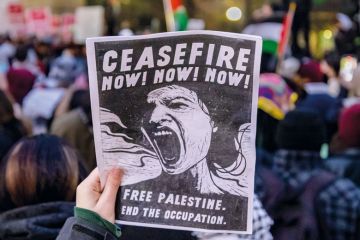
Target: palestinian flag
x=270 y=30
x=176 y=15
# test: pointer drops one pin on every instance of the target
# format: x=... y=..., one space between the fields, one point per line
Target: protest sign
x=38 y=21
x=177 y=111
x=16 y=18
x=89 y=22
x=62 y=26
x=4 y=18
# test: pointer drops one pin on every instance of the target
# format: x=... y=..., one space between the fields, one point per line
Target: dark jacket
x=41 y=222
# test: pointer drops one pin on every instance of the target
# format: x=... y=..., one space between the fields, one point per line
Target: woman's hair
x=39 y=169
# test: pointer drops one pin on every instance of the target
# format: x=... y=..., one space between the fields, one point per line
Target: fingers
x=88 y=192
x=90 y=196
x=108 y=197
x=92 y=181
x=112 y=185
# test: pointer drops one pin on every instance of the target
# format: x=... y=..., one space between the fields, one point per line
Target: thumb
x=113 y=182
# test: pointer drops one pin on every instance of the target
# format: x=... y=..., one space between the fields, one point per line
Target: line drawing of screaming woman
x=178 y=133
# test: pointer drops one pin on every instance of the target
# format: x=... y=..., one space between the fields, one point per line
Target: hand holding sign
x=90 y=196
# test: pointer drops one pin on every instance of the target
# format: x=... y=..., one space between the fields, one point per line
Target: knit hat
x=349 y=126
x=301 y=130
x=311 y=69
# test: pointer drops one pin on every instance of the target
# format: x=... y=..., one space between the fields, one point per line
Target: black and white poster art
x=177 y=112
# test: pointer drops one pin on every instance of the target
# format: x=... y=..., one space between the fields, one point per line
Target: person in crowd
x=75 y=126
x=20 y=79
x=316 y=95
x=11 y=129
x=299 y=137
x=126 y=29
x=345 y=145
x=7 y=51
x=274 y=102
x=38 y=181
x=354 y=91
x=345 y=35
x=330 y=66
x=41 y=102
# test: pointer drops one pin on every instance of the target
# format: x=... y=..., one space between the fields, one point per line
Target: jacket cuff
x=95 y=218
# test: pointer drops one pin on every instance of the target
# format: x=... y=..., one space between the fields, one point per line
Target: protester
x=75 y=126
x=330 y=66
x=345 y=145
x=7 y=51
x=354 y=91
x=298 y=164
x=125 y=29
x=274 y=102
x=317 y=97
x=11 y=129
x=345 y=35
x=41 y=102
x=38 y=180
x=20 y=78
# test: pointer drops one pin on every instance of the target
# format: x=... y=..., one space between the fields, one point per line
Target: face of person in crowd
x=180 y=128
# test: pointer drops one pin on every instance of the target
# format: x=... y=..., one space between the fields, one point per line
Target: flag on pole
x=286 y=29
x=270 y=31
x=175 y=15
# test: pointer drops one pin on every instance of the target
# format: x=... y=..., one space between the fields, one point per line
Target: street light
x=233 y=14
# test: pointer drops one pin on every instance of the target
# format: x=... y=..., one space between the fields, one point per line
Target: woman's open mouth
x=166 y=145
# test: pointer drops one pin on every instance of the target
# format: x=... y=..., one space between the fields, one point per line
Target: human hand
x=89 y=194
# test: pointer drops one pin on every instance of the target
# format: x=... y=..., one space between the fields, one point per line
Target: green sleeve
x=95 y=218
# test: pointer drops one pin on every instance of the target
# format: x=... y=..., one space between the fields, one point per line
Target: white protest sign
x=16 y=18
x=177 y=111
x=89 y=22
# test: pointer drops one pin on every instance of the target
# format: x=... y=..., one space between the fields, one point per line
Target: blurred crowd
x=308 y=138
